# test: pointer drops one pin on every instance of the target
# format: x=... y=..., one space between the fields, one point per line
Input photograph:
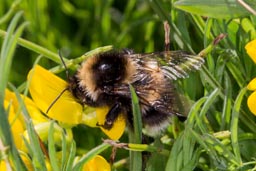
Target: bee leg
x=112 y=115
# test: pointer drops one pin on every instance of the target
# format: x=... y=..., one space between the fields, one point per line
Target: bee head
x=109 y=69
x=105 y=70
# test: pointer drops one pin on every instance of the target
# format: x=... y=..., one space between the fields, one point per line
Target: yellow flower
x=45 y=87
x=16 y=119
x=252 y=85
x=3 y=165
x=33 y=110
x=17 y=124
x=27 y=161
x=98 y=163
x=118 y=128
x=251 y=49
x=251 y=101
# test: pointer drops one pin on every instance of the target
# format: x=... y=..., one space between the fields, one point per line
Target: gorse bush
x=219 y=132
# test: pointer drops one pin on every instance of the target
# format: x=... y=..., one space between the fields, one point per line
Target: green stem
x=36 y=48
x=10 y=13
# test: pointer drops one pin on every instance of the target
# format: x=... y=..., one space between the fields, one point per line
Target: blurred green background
x=76 y=27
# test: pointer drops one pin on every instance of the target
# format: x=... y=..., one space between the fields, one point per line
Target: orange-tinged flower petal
x=251 y=102
x=119 y=125
x=252 y=85
x=45 y=87
x=251 y=49
x=98 y=163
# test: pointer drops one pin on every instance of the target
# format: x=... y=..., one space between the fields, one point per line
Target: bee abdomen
x=155 y=121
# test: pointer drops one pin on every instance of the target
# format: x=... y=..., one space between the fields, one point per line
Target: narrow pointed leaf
x=215 y=8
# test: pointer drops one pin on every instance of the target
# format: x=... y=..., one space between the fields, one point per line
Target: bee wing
x=166 y=104
x=123 y=90
x=142 y=92
x=163 y=105
x=174 y=64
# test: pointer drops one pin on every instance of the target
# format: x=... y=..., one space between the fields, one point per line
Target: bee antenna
x=64 y=64
x=61 y=93
x=166 y=36
x=55 y=100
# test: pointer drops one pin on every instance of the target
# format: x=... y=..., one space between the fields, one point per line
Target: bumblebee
x=103 y=80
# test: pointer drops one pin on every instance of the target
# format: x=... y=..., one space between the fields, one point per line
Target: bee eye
x=105 y=67
x=108 y=72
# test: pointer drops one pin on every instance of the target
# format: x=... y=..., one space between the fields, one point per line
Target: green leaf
x=71 y=157
x=137 y=121
x=234 y=123
x=6 y=56
x=194 y=111
x=136 y=136
x=227 y=105
x=7 y=50
x=64 y=152
x=184 y=154
x=220 y=155
x=157 y=161
x=215 y=8
x=208 y=103
x=52 y=150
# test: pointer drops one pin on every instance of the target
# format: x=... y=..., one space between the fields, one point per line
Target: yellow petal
x=252 y=85
x=98 y=163
x=3 y=165
x=27 y=161
x=251 y=49
x=90 y=119
x=11 y=99
x=17 y=131
x=33 y=111
x=118 y=127
x=16 y=125
x=251 y=102
x=45 y=87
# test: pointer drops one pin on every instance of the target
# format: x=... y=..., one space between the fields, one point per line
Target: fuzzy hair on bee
x=103 y=80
